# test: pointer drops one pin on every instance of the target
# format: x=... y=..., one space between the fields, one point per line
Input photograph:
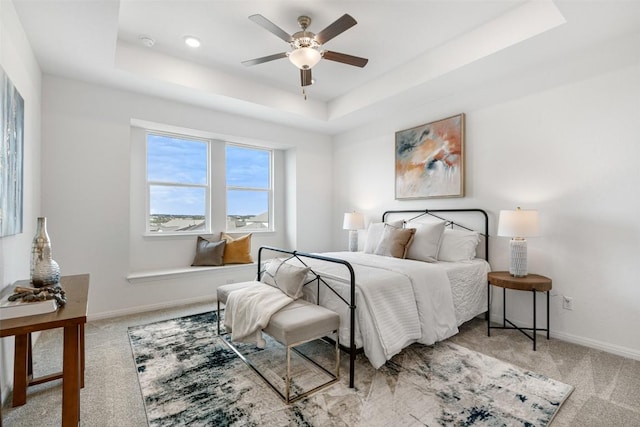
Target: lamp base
x=353 y=240
x=518 y=257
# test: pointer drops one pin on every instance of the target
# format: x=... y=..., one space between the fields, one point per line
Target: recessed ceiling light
x=147 y=41
x=192 y=41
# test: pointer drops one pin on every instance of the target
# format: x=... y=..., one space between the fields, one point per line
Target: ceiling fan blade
x=345 y=59
x=271 y=27
x=264 y=59
x=340 y=25
x=305 y=78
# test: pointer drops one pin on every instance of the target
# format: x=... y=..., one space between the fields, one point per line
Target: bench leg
x=286 y=396
x=287 y=386
x=218 y=317
x=337 y=354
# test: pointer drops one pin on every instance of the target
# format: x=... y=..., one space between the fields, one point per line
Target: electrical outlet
x=567 y=303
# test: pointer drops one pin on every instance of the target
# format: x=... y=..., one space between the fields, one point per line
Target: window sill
x=173 y=273
x=190 y=234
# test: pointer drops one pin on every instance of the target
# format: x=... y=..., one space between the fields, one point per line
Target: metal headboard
x=437 y=214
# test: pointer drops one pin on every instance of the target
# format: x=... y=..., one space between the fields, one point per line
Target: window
x=177 y=184
x=197 y=185
x=249 y=188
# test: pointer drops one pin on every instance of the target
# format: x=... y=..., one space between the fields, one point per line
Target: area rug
x=188 y=376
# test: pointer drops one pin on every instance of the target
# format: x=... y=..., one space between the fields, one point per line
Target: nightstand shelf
x=532 y=283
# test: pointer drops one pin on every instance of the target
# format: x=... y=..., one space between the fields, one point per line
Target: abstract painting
x=11 y=157
x=430 y=160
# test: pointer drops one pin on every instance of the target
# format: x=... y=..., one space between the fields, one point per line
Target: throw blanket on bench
x=249 y=310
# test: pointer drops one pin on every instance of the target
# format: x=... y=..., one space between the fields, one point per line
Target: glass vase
x=44 y=270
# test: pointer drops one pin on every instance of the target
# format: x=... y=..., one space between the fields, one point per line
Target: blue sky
x=175 y=160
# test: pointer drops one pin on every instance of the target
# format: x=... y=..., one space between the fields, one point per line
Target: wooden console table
x=72 y=317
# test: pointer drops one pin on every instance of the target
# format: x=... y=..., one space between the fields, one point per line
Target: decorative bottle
x=44 y=270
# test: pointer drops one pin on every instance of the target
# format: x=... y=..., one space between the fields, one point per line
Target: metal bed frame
x=351 y=304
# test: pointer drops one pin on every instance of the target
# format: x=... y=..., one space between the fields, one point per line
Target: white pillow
x=458 y=245
x=286 y=277
x=426 y=241
x=374 y=234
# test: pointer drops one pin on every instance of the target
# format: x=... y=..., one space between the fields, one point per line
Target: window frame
x=269 y=190
x=216 y=189
x=149 y=184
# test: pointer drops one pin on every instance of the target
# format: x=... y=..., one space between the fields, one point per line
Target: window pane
x=176 y=208
x=248 y=167
x=247 y=210
x=171 y=159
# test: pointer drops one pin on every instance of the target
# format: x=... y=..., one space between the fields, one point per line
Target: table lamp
x=518 y=224
x=353 y=222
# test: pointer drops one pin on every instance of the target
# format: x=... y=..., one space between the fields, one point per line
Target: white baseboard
x=151 y=307
x=598 y=345
x=574 y=339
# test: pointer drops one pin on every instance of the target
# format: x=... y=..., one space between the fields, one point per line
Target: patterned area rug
x=188 y=376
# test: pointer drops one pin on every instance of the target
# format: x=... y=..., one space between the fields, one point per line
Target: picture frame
x=11 y=157
x=430 y=160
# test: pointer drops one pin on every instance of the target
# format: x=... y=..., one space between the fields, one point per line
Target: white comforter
x=398 y=302
x=249 y=310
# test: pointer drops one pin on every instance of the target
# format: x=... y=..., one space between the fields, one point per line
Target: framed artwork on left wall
x=430 y=160
x=11 y=157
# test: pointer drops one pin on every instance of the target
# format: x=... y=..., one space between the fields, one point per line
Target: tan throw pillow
x=374 y=234
x=395 y=241
x=286 y=277
x=237 y=250
x=209 y=252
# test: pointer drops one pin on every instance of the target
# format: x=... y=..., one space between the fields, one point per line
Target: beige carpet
x=607 y=387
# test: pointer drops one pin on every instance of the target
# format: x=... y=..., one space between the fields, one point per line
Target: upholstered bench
x=297 y=323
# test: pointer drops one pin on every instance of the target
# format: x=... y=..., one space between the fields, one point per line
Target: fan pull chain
x=304 y=94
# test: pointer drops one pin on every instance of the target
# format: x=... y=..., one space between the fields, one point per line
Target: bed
x=386 y=303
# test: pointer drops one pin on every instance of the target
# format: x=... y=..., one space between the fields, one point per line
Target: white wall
x=18 y=62
x=86 y=190
x=571 y=152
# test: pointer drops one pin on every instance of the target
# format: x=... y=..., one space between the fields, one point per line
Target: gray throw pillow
x=208 y=252
x=286 y=277
x=395 y=241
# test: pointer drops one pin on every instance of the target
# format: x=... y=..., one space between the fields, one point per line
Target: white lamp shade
x=304 y=57
x=518 y=223
x=353 y=221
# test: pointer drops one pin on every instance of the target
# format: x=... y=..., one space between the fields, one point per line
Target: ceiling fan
x=307 y=47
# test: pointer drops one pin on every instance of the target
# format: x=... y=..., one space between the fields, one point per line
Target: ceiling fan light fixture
x=305 y=57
